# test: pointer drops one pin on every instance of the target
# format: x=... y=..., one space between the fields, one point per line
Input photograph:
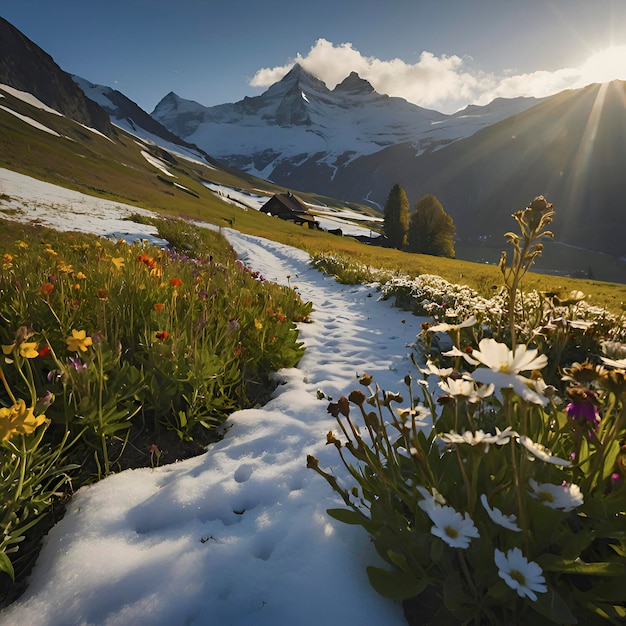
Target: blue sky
x=441 y=54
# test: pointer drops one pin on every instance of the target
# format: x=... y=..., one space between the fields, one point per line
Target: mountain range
x=353 y=144
x=301 y=130
x=483 y=163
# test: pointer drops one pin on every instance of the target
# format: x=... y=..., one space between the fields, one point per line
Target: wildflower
x=162 y=335
x=80 y=276
x=465 y=388
x=564 y=497
x=446 y=328
x=18 y=420
x=541 y=452
x=499 y=358
x=455 y=529
x=46 y=289
x=27 y=350
x=118 y=262
x=176 y=282
x=431 y=368
x=621 y=363
x=77 y=364
x=519 y=574
x=431 y=500
x=7 y=261
x=78 y=341
x=45 y=351
x=258 y=325
x=21 y=244
x=613 y=380
x=474 y=438
x=233 y=325
x=158 y=307
x=498 y=517
x=103 y=294
x=582 y=409
x=504 y=368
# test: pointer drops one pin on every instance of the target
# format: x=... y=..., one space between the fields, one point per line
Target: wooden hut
x=290 y=208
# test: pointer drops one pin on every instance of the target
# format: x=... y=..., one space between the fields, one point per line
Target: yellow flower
x=80 y=275
x=21 y=244
x=78 y=341
x=27 y=350
x=118 y=261
x=18 y=420
x=50 y=251
x=257 y=324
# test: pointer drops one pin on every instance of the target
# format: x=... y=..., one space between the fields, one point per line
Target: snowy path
x=238 y=536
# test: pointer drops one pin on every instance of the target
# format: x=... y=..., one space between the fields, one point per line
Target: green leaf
x=553 y=563
x=610 y=456
x=6 y=565
x=394 y=584
x=347 y=516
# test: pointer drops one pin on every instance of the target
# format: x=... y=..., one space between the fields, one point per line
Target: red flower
x=176 y=282
x=44 y=351
x=46 y=289
x=162 y=335
x=158 y=307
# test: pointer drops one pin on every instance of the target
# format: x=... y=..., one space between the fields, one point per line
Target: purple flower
x=583 y=409
x=77 y=364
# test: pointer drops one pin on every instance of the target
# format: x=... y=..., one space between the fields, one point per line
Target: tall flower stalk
x=533 y=222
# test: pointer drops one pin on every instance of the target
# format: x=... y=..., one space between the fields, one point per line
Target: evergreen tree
x=431 y=229
x=396 y=220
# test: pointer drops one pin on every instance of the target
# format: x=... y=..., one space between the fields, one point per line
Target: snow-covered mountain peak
x=298 y=124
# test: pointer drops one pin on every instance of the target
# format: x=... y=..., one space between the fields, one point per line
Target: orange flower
x=162 y=335
x=46 y=289
x=176 y=282
x=158 y=307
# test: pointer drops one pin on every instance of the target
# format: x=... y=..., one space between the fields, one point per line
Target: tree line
x=428 y=229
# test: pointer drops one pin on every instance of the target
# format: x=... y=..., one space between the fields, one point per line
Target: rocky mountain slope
x=299 y=130
x=483 y=163
x=25 y=66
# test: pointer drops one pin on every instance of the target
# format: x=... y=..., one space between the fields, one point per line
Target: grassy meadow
x=116 y=170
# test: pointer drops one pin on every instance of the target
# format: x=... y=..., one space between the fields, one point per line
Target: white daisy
x=465 y=388
x=455 y=529
x=498 y=517
x=431 y=499
x=526 y=577
x=499 y=358
x=431 y=368
x=479 y=437
x=455 y=352
x=504 y=436
x=446 y=328
x=564 y=497
x=541 y=452
x=503 y=367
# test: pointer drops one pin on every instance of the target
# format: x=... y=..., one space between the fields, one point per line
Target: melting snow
x=238 y=536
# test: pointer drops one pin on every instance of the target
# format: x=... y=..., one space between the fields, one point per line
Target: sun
x=604 y=66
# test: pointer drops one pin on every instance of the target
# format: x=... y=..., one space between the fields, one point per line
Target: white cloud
x=447 y=82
